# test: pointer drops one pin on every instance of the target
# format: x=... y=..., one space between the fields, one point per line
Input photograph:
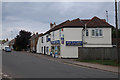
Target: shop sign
x=62 y=38
x=48 y=39
x=73 y=43
x=62 y=42
x=55 y=42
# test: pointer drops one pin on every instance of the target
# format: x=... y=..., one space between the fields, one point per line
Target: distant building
x=11 y=43
x=65 y=38
x=33 y=42
x=1 y=44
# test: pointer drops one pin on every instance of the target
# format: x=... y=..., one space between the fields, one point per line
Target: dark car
x=7 y=49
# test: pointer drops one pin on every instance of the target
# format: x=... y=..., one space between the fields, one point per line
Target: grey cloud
x=36 y=16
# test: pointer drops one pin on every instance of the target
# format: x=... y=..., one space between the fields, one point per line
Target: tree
x=114 y=33
x=22 y=40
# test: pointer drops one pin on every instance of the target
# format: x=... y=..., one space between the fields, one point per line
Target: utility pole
x=116 y=21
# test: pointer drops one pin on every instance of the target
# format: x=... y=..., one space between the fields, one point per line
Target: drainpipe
x=83 y=34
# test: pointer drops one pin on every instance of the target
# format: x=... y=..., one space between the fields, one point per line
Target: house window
x=93 y=32
x=87 y=34
x=53 y=35
x=100 y=32
x=42 y=40
x=47 y=38
x=97 y=32
x=60 y=33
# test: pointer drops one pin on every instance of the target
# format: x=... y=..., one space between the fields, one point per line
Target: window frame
x=97 y=32
x=42 y=40
x=93 y=32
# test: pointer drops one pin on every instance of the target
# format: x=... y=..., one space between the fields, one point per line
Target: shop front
x=55 y=47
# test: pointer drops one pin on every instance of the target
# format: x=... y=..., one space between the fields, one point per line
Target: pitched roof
x=75 y=22
x=97 y=22
x=34 y=36
x=84 y=21
x=58 y=26
x=94 y=22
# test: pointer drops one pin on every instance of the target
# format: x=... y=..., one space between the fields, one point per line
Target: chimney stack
x=52 y=25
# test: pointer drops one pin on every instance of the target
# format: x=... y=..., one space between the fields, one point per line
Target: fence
x=98 y=53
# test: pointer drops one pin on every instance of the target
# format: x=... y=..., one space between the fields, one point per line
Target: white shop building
x=65 y=38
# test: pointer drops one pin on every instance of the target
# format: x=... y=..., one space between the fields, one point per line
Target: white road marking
x=6 y=76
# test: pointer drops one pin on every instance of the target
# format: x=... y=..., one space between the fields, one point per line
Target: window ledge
x=97 y=36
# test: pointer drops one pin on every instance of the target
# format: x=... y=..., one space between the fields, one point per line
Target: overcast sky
x=36 y=16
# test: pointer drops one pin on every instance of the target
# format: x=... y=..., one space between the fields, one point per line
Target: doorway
x=44 y=50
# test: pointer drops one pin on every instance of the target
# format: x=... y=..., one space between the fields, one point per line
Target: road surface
x=25 y=65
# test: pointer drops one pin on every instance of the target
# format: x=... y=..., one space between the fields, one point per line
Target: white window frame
x=97 y=32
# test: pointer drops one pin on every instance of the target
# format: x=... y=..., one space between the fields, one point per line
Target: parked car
x=7 y=49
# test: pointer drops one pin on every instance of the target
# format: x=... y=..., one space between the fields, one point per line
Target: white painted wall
x=75 y=34
x=40 y=45
x=71 y=34
x=56 y=35
x=103 y=41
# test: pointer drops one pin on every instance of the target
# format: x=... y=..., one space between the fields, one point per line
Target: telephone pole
x=116 y=22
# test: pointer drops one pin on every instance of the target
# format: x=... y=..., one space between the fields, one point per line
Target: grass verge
x=103 y=62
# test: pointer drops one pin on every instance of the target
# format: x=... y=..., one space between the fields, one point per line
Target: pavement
x=85 y=64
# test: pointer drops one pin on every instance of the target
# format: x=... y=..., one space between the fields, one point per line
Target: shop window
x=47 y=50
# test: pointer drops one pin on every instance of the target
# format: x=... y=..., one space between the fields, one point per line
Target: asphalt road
x=23 y=65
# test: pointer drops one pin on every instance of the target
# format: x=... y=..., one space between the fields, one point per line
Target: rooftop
x=90 y=23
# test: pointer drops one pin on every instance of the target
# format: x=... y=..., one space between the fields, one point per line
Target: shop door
x=58 y=50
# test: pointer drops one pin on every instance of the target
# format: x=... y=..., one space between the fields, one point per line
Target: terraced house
x=65 y=38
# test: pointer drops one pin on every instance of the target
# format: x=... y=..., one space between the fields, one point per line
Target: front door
x=44 y=50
